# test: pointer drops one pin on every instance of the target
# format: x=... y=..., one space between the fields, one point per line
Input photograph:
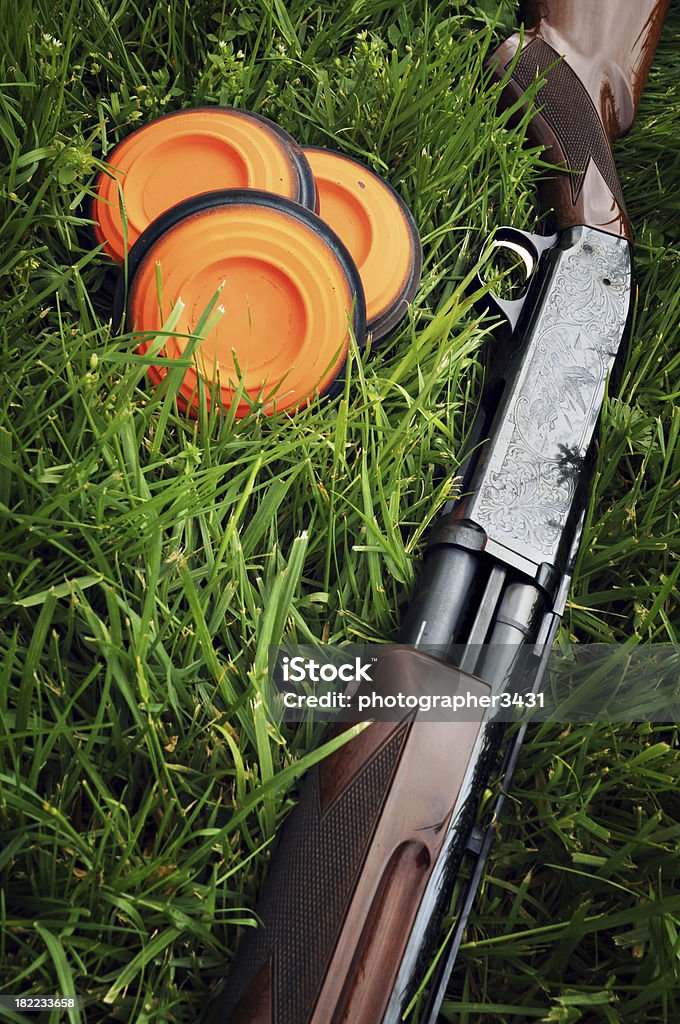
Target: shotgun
x=383 y=824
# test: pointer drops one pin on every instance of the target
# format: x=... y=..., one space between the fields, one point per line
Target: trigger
x=524 y=254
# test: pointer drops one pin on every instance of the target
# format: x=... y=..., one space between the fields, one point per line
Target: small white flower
x=52 y=41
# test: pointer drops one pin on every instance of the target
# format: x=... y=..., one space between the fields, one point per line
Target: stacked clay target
x=377 y=227
x=256 y=259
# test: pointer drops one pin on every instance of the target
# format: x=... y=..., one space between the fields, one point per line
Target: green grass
x=147 y=560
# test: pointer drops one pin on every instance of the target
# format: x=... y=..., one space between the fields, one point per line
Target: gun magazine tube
x=444 y=593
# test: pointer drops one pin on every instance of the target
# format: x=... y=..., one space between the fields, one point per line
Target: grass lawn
x=147 y=560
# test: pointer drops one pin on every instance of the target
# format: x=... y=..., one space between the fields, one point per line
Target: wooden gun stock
x=595 y=58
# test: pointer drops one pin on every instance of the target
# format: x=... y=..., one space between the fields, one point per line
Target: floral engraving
x=527 y=481
x=566 y=372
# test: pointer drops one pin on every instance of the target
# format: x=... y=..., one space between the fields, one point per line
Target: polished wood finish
x=337 y=961
x=590 y=97
x=405 y=848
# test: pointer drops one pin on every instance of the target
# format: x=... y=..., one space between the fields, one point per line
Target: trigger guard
x=508 y=309
x=530 y=248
